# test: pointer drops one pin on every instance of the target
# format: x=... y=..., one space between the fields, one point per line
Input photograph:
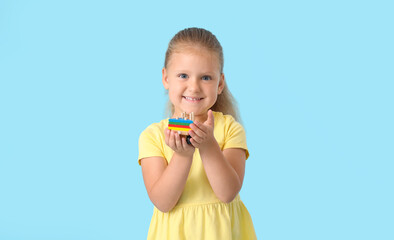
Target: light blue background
x=81 y=79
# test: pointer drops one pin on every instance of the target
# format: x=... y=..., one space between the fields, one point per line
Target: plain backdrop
x=80 y=80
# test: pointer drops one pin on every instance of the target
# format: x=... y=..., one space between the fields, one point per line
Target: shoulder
x=229 y=132
x=154 y=130
x=226 y=122
x=151 y=142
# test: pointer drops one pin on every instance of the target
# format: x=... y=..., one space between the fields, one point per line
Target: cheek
x=214 y=94
x=174 y=92
x=215 y=90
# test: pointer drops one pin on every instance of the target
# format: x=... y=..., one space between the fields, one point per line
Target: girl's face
x=193 y=81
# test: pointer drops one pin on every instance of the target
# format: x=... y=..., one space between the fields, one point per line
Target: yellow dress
x=199 y=214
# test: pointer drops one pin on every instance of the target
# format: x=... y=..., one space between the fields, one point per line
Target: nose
x=194 y=85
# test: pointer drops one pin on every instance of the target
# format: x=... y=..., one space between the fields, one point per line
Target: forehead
x=194 y=57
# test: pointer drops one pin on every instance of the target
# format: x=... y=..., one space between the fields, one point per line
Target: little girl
x=194 y=187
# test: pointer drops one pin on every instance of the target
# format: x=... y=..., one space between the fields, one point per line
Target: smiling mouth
x=192 y=99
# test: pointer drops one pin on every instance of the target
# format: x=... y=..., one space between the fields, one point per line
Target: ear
x=222 y=83
x=164 y=78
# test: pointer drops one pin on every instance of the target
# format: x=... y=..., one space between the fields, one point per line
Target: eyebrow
x=208 y=73
x=204 y=73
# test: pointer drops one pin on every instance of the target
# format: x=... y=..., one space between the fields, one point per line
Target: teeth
x=192 y=99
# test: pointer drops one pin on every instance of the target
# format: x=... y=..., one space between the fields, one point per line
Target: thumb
x=211 y=120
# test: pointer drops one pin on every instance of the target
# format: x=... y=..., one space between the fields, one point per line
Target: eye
x=206 y=78
x=182 y=75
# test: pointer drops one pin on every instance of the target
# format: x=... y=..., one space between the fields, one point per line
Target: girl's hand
x=202 y=133
x=178 y=143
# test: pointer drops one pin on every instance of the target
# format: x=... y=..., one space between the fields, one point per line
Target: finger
x=178 y=142
x=203 y=126
x=198 y=128
x=184 y=143
x=195 y=136
x=211 y=120
x=171 y=140
x=189 y=146
x=167 y=135
x=194 y=143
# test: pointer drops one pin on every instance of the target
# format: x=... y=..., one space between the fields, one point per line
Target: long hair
x=199 y=37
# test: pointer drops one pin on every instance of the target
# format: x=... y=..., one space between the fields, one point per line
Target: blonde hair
x=199 y=37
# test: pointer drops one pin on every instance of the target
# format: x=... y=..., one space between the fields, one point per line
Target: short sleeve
x=149 y=144
x=235 y=136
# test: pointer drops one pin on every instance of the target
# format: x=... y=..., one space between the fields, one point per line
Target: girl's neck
x=201 y=119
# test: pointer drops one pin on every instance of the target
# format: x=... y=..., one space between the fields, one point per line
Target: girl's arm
x=225 y=170
x=163 y=183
